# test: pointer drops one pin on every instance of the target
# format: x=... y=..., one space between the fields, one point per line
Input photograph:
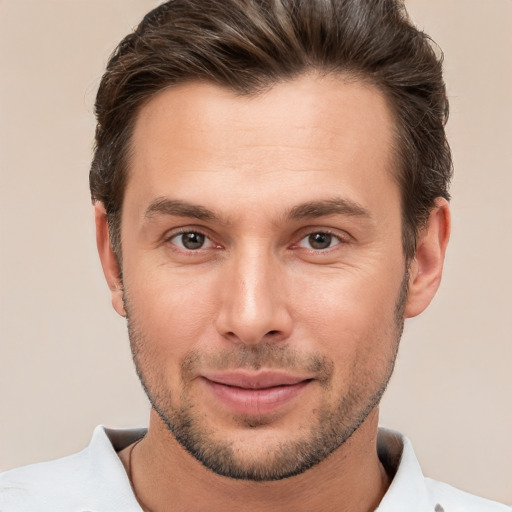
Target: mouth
x=255 y=393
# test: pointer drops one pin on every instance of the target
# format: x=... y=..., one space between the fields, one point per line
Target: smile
x=255 y=394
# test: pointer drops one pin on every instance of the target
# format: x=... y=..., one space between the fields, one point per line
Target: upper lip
x=258 y=380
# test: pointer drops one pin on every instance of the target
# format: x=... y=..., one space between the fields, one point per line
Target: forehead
x=308 y=133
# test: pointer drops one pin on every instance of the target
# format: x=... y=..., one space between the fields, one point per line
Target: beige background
x=64 y=360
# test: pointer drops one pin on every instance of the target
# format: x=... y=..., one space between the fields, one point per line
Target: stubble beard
x=331 y=427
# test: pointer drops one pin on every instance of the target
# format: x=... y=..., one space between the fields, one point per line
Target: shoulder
x=93 y=479
x=411 y=491
x=44 y=486
x=451 y=499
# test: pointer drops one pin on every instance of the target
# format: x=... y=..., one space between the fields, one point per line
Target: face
x=263 y=271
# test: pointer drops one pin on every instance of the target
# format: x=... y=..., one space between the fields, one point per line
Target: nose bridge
x=255 y=294
x=254 y=305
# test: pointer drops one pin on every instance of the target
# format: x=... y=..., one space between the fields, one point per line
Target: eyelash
x=181 y=232
x=340 y=240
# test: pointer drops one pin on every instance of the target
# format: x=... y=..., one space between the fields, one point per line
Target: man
x=270 y=187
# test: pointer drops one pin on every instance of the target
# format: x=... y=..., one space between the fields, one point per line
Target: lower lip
x=255 y=401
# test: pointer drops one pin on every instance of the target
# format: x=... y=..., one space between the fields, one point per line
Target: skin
x=258 y=289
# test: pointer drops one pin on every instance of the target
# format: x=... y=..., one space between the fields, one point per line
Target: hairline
x=396 y=163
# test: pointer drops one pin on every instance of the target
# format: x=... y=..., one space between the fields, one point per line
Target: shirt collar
x=107 y=476
x=407 y=492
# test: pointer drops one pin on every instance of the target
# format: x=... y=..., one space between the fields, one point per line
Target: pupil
x=193 y=240
x=320 y=240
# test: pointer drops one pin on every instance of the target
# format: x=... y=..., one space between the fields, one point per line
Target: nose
x=253 y=305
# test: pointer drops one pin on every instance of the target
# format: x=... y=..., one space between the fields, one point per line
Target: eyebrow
x=307 y=210
x=177 y=208
x=335 y=206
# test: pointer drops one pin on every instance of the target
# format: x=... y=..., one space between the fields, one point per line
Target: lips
x=260 y=380
x=255 y=393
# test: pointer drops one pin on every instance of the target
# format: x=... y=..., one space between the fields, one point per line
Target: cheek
x=173 y=312
x=350 y=315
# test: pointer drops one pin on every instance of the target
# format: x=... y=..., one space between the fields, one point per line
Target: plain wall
x=65 y=364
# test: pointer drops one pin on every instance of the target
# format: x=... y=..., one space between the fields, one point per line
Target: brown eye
x=319 y=241
x=190 y=240
x=193 y=240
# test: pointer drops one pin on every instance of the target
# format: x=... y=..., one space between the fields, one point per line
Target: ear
x=108 y=258
x=427 y=266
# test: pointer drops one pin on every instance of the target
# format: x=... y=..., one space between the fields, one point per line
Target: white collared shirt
x=94 y=480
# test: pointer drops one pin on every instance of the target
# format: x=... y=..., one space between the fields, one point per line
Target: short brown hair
x=250 y=45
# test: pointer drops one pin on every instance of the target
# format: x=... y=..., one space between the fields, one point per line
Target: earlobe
x=427 y=266
x=108 y=258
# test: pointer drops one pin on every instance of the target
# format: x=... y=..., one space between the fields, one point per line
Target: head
x=248 y=47
x=272 y=179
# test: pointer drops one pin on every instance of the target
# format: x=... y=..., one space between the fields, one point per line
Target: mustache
x=255 y=357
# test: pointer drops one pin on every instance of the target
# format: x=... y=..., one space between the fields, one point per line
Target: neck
x=351 y=479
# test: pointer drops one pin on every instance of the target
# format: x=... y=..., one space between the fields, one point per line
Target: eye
x=191 y=241
x=319 y=241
